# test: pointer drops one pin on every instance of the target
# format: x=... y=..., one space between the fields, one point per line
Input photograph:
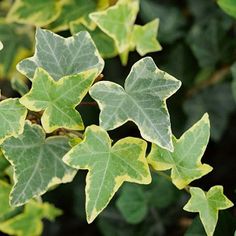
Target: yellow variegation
x=185 y=161
x=109 y=166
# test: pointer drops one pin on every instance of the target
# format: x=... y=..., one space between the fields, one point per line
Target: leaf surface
x=12 y=116
x=62 y=57
x=34 y=12
x=58 y=99
x=229 y=6
x=109 y=166
x=208 y=205
x=37 y=163
x=143 y=101
x=185 y=161
x=29 y=222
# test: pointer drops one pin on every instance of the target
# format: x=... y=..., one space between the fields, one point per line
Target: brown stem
x=88 y=104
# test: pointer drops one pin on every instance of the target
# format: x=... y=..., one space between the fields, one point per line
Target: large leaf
x=144 y=38
x=105 y=44
x=216 y=100
x=34 y=12
x=208 y=205
x=185 y=161
x=229 y=6
x=109 y=166
x=117 y=22
x=58 y=98
x=17 y=45
x=74 y=10
x=12 y=115
x=29 y=222
x=62 y=56
x=37 y=163
x=143 y=101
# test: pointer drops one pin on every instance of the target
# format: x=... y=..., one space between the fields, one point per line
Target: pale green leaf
x=133 y=204
x=109 y=166
x=117 y=22
x=29 y=222
x=37 y=163
x=145 y=38
x=62 y=56
x=12 y=117
x=74 y=10
x=208 y=205
x=58 y=99
x=105 y=44
x=229 y=6
x=1 y=46
x=185 y=161
x=34 y=12
x=143 y=101
x=17 y=45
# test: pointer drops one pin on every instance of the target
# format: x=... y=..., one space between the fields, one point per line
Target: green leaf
x=132 y=203
x=229 y=6
x=19 y=85
x=105 y=44
x=1 y=46
x=34 y=12
x=12 y=115
x=185 y=161
x=109 y=166
x=210 y=100
x=29 y=222
x=143 y=101
x=17 y=45
x=62 y=57
x=3 y=164
x=117 y=22
x=208 y=205
x=58 y=99
x=5 y=208
x=43 y=168
x=144 y=38
x=74 y=10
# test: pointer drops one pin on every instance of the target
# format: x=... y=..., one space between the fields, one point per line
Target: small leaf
x=108 y=166
x=117 y=22
x=12 y=115
x=38 y=12
x=74 y=10
x=58 y=98
x=143 y=101
x=208 y=205
x=1 y=46
x=144 y=38
x=133 y=204
x=19 y=85
x=29 y=222
x=37 y=163
x=185 y=161
x=62 y=57
x=105 y=44
x=228 y=6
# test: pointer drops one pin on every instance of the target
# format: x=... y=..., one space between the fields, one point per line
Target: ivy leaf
x=12 y=115
x=39 y=12
x=185 y=161
x=3 y=164
x=144 y=38
x=208 y=205
x=1 y=46
x=43 y=168
x=29 y=222
x=74 y=10
x=19 y=85
x=109 y=166
x=117 y=22
x=228 y=6
x=62 y=57
x=58 y=99
x=143 y=101
x=17 y=45
x=105 y=44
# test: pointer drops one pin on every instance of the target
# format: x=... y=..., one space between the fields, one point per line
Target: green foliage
x=44 y=141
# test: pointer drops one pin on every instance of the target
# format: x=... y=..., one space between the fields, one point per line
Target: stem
x=94 y=104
